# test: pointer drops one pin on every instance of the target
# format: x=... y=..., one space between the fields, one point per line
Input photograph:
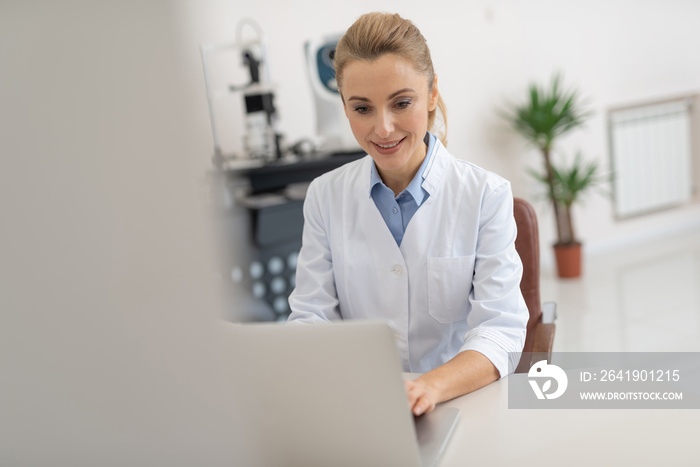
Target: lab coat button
x=397 y=337
x=397 y=269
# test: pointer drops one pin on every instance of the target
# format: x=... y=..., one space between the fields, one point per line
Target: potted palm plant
x=545 y=116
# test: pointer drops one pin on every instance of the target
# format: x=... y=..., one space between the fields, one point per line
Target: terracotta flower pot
x=568 y=260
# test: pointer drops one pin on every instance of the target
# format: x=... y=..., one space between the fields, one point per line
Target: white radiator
x=651 y=157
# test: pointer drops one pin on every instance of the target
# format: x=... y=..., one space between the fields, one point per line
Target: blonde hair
x=376 y=34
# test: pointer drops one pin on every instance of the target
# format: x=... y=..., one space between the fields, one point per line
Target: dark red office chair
x=540 y=326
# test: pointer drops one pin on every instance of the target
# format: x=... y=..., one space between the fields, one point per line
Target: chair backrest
x=527 y=244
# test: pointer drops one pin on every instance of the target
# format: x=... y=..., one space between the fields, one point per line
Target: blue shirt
x=397 y=211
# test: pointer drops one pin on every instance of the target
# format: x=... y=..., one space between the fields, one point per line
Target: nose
x=384 y=124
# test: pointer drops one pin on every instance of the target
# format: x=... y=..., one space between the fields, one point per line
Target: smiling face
x=387 y=103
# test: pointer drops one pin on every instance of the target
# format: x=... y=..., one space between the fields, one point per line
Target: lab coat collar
x=437 y=166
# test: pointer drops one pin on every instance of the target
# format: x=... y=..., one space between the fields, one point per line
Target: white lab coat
x=452 y=285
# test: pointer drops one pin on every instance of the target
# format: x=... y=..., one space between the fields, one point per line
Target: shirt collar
x=415 y=188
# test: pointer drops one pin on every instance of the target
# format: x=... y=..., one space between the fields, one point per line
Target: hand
x=467 y=372
x=421 y=397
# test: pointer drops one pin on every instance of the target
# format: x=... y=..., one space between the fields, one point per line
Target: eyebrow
x=394 y=94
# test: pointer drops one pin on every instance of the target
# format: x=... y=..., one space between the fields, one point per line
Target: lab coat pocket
x=449 y=285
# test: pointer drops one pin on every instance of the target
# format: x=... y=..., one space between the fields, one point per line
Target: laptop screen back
x=324 y=395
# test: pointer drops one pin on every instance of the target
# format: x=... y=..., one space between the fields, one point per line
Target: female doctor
x=411 y=234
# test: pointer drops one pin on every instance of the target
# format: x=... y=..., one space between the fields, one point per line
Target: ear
x=434 y=94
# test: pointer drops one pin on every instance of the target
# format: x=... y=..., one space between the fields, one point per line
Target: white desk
x=490 y=434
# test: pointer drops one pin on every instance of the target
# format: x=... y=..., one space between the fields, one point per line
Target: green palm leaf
x=547 y=114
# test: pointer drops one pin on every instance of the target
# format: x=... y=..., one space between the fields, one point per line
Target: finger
x=412 y=389
x=410 y=400
x=423 y=405
x=418 y=408
x=412 y=393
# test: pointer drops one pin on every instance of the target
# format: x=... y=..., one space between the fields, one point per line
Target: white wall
x=486 y=52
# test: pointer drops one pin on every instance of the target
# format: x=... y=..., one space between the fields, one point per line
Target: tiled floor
x=642 y=299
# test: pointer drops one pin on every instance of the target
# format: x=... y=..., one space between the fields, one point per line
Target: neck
x=398 y=180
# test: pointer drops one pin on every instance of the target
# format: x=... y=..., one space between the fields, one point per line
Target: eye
x=403 y=104
x=361 y=109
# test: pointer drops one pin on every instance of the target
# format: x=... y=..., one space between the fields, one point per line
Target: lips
x=388 y=147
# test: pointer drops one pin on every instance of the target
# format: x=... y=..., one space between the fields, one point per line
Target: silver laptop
x=331 y=395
